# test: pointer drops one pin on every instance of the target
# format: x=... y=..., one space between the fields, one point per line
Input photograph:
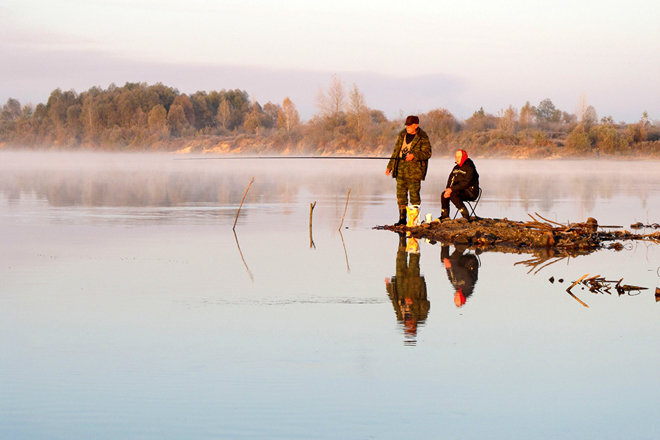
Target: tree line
x=138 y=116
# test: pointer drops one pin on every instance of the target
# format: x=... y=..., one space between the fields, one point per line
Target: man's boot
x=444 y=214
x=403 y=219
x=464 y=212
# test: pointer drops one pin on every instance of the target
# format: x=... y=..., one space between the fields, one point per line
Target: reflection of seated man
x=462 y=271
x=407 y=289
x=462 y=184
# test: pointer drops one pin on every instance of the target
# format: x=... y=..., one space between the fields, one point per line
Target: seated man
x=462 y=184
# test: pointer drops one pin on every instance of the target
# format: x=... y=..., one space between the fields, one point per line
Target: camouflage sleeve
x=395 y=151
x=425 y=150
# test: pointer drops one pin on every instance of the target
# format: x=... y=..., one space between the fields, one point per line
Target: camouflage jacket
x=421 y=150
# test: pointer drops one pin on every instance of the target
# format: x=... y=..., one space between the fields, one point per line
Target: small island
x=536 y=236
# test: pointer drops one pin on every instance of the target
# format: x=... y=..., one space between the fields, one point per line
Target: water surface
x=129 y=309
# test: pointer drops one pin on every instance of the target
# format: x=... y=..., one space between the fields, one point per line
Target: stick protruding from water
x=345 y=208
x=241 y=205
x=311 y=210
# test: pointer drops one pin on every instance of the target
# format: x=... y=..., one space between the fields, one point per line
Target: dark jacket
x=420 y=148
x=464 y=178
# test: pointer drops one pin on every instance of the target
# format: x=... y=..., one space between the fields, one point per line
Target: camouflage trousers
x=405 y=187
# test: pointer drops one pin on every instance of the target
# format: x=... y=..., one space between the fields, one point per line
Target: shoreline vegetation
x=141 y=117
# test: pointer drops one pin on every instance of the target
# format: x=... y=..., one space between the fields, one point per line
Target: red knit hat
x=463 y=157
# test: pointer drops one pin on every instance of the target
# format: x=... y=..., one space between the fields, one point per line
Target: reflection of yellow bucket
x=413 y=215
x=412 y=246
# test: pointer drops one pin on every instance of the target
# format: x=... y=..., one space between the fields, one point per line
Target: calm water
x=129 y=309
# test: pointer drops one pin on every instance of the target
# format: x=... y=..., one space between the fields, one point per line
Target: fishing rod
x=291 y=157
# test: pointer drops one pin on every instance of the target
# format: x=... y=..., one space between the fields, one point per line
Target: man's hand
x=388 y=172
x=409 y=157
x=447 y=193
x=447 y=263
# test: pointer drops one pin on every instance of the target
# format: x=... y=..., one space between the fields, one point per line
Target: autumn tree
x=589 y=117
x=187 y=107
x=203 y=110
x=357 y=113
x=639 y=131
x=438 y=124
x=288 y=118
x=331 y=103
x=507 y=119
x=176 y=120
x=609 y=140
x=578 y=140
x=232 y=108
x=480 y=121
x=270 y=112
x=224 y=114
x=255 y=119
x=526 y=119
x=157 y=120
x=546 y=113
x=11 y=111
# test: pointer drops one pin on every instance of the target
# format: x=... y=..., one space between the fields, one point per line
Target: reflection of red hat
x=410 y=326
x=459 y=298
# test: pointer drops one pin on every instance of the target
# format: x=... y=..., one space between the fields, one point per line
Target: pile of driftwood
x=539 y=235
x=598 y=284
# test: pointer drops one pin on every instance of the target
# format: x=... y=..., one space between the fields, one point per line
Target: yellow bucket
x=413 y=215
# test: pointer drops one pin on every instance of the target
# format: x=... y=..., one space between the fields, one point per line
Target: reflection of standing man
x=408 y=164
x=462 y=271
x=407 y=289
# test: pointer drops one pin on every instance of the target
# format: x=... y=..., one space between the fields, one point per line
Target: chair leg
x=476 y=203
x=472 y=208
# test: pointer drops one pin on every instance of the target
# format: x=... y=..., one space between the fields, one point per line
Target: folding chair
x=471 y=208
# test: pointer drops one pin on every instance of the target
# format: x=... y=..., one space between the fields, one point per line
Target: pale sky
x=406 y=57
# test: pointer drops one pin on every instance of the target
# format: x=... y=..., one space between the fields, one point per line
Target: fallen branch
x=550 y=221
x=577 y=282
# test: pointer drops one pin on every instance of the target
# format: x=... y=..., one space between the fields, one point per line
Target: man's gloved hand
x=409 y=157
x=388 y=172
x=447 y=193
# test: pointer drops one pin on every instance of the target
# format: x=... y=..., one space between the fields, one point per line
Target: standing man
x=462 y=184
x=408 y=164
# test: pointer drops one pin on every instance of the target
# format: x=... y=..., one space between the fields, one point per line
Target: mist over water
x=129 y=309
